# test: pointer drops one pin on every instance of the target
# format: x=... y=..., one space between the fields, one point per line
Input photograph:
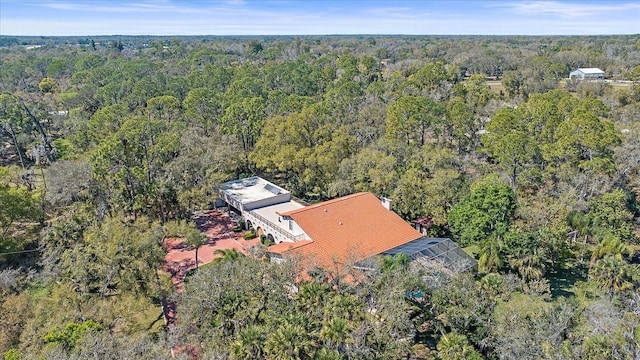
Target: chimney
x=386 y=202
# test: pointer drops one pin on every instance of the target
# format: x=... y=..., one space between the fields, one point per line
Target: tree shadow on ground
x=215 y=224
x=561 y=281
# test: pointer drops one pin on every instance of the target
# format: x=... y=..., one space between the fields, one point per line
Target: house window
x=290 y=224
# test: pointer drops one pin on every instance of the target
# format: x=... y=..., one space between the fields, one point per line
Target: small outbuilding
x=587 y=73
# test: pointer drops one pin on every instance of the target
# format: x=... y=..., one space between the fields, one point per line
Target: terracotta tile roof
x=349 y=229
x=284 y=246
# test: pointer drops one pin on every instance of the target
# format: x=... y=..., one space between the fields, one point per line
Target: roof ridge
x=328 y=202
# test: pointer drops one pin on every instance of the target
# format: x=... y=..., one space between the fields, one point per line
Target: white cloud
x=115 y=7
x=567 y=10
x=391 y=11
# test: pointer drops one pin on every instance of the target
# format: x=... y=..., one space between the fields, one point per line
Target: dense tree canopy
x=109 y=144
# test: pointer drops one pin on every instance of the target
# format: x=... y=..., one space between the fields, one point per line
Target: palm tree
x=610 y=245
x=289 y=342
x=491 y=255
x=227 y=255
x=492 y=283
x=335 y=332
x=613 y=274
x=196 y=239
x=453 y=346
x=344 y=306
x=248 y=346
x=597 y=346
x=528 y=262
x=326 y=354
x=311 y=298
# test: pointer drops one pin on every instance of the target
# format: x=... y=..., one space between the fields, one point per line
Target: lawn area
x=496 y=86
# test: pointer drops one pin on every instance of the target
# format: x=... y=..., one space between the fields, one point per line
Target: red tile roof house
x=334 y=234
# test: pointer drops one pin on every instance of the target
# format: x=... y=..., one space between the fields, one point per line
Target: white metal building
x=587 y=73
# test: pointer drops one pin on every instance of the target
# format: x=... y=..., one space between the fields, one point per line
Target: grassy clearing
x=496 y=86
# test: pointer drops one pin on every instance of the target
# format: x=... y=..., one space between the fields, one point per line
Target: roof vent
x=325 y=210
x=340 y=223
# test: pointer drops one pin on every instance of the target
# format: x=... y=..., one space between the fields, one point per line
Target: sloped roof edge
x=284 y=247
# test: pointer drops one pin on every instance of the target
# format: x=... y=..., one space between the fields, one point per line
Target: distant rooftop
x=251 y=189
x=591 y=71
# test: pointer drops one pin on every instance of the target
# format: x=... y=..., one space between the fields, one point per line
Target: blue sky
x=312 y=17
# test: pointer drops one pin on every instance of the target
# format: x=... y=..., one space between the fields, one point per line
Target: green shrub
x=266 y=241
x=240 y=227
x=12 y=354
x=64 y=148
x=248 y=236
x=69 y=336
